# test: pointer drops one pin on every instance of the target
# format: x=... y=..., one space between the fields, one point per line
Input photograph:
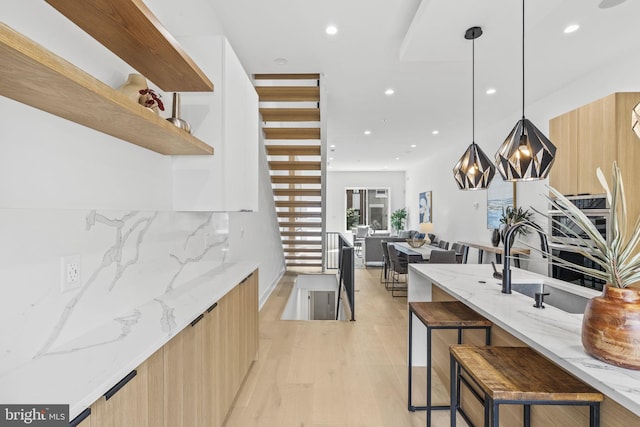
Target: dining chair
x=362 y=231
x=464 y=250
x=443 y=244
x=442 y=257
x=458 y=247
x=398 y=267
x=384 y=272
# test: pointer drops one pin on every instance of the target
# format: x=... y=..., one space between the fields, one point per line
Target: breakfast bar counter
x=552 y=332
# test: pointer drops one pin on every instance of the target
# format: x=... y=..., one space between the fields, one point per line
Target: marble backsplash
x=127 y=259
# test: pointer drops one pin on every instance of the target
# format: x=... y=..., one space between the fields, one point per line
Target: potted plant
x=611 y=323
x=352 y=218
x=397 y=219
x=511 y=216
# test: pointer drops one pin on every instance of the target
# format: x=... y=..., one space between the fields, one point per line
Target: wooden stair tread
x=303 y=257
x=34 y=76
x=520 y=373
x=131 y=31
x=297 y=243
x=291 y=192
x=300 y=224
x=303 y=250
x=290 y=114
x=294 y=166
x=299 y=214
x=293 y=150
x=288 y=93
x=296 y=179
x=302 y=233
x=297 y=204
x=311 y=263
x=291 y=133
x=303 y=76
x=447 y=313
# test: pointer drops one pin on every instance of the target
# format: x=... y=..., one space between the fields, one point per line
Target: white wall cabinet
x=228 y=117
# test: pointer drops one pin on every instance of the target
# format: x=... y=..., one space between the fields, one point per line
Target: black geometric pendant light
x=526 y=154
x=474 y=170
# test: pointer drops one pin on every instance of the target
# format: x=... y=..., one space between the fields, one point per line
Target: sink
x=559 y=298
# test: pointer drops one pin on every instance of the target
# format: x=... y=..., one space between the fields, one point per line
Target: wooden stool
x=516 y=376
x=441 y=315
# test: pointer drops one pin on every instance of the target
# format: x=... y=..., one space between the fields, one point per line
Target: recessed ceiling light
x=281 y=61
x=367 y=132
x=435 y=132
x=331 y=30
x=330 y=158
x=413 y=145
x=397 y=158
x=491 y=91
x=332 y=146
x=389 y=91
x=571 y=28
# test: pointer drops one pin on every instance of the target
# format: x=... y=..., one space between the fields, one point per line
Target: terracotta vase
x=611 y=327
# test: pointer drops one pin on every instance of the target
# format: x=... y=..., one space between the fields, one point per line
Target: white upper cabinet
x=228 y=120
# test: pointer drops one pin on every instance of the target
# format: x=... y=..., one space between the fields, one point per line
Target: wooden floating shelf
x=131 y=31
x=34 y=76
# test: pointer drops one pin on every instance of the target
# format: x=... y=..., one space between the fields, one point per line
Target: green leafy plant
x=352 y=218
x=618 y=258
x=398 y=218
x=512 y=215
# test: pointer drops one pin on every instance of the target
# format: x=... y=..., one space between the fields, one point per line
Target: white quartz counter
x=552 y=332
x=79 y=372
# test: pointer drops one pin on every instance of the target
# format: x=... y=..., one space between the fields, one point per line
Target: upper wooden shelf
x=34 y=76
x=130 y=30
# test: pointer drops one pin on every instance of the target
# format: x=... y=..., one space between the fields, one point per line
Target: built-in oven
x=567 y=238
x=595 y=208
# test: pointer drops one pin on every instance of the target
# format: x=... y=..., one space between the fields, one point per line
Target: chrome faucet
x=506 y=256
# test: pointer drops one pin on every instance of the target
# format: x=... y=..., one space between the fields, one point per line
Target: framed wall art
x=424 y=205
x=500 y=195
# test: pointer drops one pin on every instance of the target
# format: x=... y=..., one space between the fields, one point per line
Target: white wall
x=338 y=182
x=50 y=163
x=255 y=235
x=454 y=212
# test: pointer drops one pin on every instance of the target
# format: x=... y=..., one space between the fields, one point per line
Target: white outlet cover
x=70 y=272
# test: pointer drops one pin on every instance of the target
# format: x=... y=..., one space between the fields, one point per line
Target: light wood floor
x=334 y=373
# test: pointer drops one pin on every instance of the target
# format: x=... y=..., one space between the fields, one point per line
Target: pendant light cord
x=473 y=91
x=522 y=59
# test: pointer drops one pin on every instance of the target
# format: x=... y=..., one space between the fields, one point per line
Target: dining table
x=421 y=254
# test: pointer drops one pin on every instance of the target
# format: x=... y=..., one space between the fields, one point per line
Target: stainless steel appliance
x=595 y=207
x=567 y=238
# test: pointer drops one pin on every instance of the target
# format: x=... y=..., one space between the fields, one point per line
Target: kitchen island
x=552 y=332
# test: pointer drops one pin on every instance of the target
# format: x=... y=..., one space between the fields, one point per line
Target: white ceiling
x=418 y=49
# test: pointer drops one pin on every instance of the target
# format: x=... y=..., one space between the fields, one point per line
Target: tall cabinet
x=228 y=118
x=595 y=135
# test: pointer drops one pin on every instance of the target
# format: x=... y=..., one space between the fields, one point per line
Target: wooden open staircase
x=290 y=108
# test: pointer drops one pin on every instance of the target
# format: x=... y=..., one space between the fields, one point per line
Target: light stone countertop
x=552 y=332
x=79 y=372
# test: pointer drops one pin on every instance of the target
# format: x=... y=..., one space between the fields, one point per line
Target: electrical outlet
x=70 y=272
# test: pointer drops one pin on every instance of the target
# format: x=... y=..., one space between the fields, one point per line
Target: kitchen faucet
x=506 y=256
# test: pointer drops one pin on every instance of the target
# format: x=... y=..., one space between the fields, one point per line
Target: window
x=367 y=206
